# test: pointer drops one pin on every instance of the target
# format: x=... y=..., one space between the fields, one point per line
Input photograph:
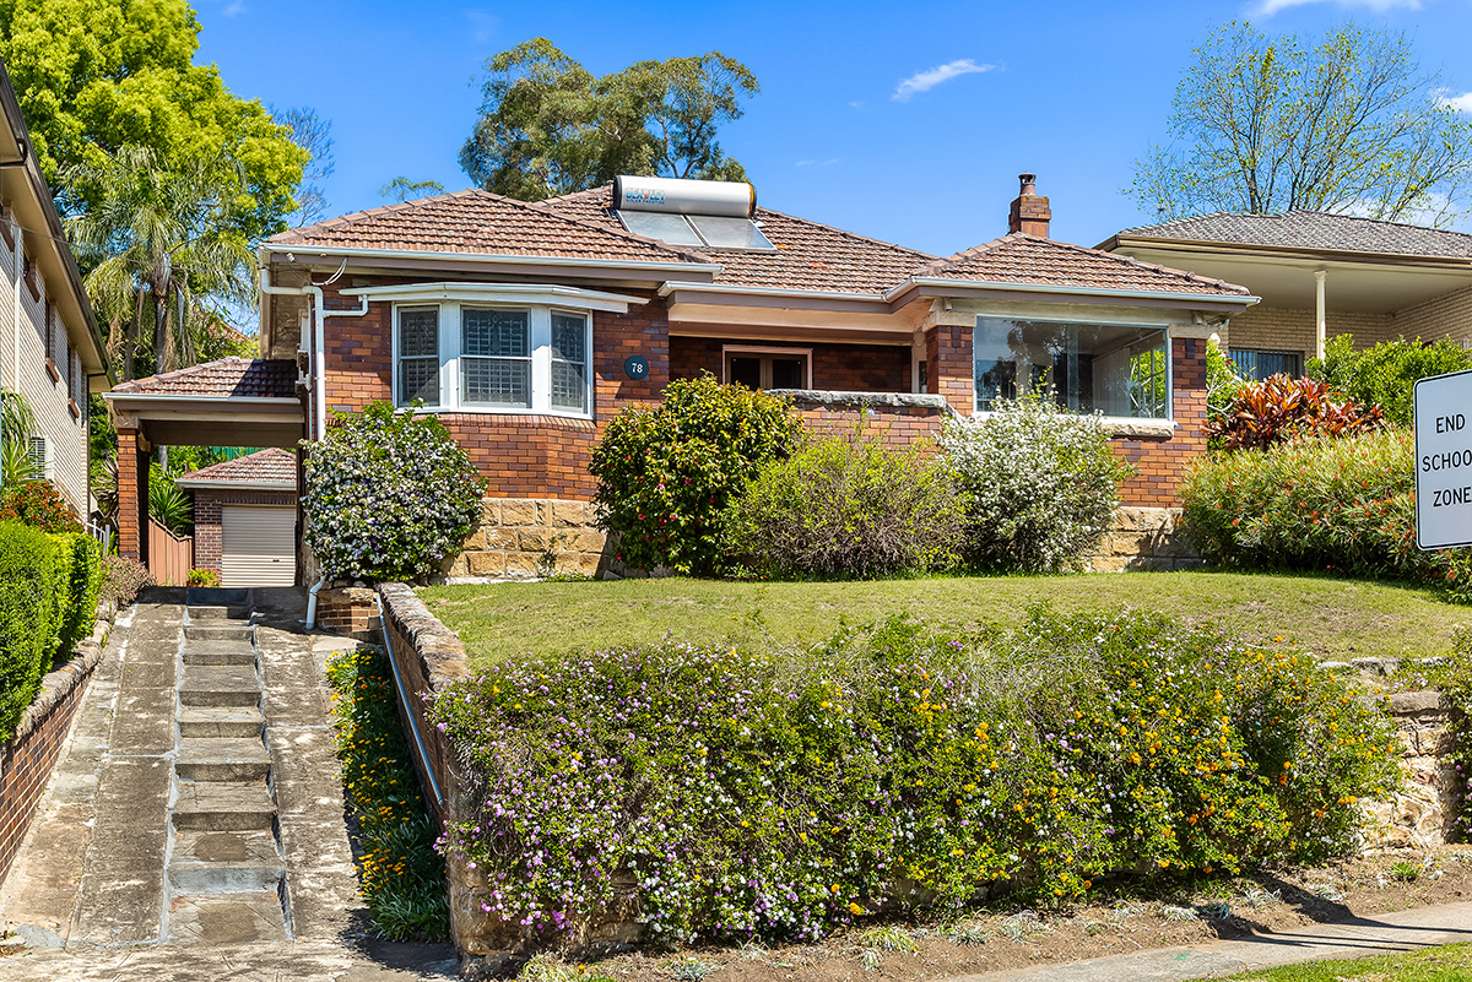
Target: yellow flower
x=855 y=909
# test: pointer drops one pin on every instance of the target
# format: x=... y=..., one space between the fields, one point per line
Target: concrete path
x=195 y=820
x=1357 y=938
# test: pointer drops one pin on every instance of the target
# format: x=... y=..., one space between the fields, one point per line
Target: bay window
x=476 y=357
x=1118 y=370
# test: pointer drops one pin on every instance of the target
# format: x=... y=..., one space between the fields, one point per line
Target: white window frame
x=399 y=398
x=1162 y=326
x=765 y=349
x=539 y=322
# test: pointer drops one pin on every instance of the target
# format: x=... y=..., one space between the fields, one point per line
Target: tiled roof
x=272 y=466
x=1029 y=259
x=480 y=222
x=1312 y=230
x=809 y=255
x=232 y=376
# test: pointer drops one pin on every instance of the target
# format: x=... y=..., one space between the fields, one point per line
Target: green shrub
x=1222 y=384
x=168 y=504
x=388 y=496
x=202 y=577
x=39 y=505
x=1386 y=374
x=1336 y=505
x=740 y=794
x=1454 y=679
x=81 y=559
x=847 y=508
x=1041 y=485
x=400 y=874
x=123 y=579
x=32 y=590
x=666 y=474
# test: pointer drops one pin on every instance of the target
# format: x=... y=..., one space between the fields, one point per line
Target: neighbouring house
x=245 y=518
x=1319 y=275
x=50 y=352
x=526 y=326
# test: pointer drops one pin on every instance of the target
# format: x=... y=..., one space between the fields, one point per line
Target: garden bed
x=1334 y=618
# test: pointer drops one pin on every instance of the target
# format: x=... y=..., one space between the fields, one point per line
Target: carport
x=232 y=402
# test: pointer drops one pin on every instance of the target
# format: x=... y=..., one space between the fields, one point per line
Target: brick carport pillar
x=132 y=493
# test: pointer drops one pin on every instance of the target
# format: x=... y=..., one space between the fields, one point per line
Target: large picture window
x=1116 y=370
x=487 y=358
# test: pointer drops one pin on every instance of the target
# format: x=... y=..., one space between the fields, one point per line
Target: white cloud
x=484 y=25
x=234 y=8
x=1461 y=103
x=824 y=162
x=931 y=77
x=856 y=104
x=1267 y=8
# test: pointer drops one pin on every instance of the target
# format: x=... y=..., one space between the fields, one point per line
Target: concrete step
x=221 y=721
x=222 y=759
x=210 y=806
x=219 y=653
x=219 y=631
x=206 y=596
x=220 y=862
x=217 y=612
x=221 y=919
x=220 y=685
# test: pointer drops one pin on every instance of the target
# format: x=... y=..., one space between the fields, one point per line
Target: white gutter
x=17 y=237
x=531 y=292
x=488 y=258
x=189 y=397
x=674 y=286
x=1079 y=291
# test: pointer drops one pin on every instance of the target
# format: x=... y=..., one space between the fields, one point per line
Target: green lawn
x=1452 y=963
x=1335 y=618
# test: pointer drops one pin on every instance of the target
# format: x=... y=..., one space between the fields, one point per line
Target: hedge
x=721 y=794
x=48 y=603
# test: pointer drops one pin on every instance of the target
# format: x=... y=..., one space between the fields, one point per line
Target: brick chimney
x=1030 y=212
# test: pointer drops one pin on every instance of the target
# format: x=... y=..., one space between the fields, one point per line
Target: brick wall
x=838 y=367
x=901 y=427
x=26 y=761
x=132 y=496
x=1446 y=316
x=1161 y=463
x=209 y=539
x=948 y=366
x=1291 y=329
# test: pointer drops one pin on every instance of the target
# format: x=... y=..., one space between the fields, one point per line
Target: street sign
x=1444 y=461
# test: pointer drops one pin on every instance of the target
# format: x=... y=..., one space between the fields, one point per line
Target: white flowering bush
x=388 y=496
x=1041 y=485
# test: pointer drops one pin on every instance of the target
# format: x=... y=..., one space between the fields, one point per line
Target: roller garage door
x=259 y=546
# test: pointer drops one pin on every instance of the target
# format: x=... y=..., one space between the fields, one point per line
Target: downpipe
x=312 y=592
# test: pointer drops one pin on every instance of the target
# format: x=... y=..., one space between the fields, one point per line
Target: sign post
x=1444 y=461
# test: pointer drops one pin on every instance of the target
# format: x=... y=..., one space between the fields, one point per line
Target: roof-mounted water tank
x=703 y=214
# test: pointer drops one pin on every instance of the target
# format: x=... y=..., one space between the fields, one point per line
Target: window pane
x=496 y=381
x=745 y=370
x=419 y=378
x=1258 y=365
x=502 y=333
x=1114 y=370
x=789 y=373
x=569 y=386
x=419 y=332
x=569 y=337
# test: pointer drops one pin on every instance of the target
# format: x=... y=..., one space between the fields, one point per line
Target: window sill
x=487 y=411
x=31 y=286
x=52 y=370
x=74 y=409
x=1122 y=426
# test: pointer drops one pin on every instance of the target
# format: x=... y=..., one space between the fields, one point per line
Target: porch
x=232 y=402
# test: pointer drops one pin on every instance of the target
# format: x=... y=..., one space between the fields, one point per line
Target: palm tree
x=16 y=426
x=161 y=244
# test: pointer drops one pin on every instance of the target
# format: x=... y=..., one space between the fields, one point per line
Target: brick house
x=526 y=326
x=245 y=517
x=1319 y=275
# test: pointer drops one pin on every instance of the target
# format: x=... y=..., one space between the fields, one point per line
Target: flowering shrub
x=1341 y=505
x=388 y=496
x=1041 y=485
x=123 y=579
x=1222 y=385
x=1454 y=679
x=399 y=872
x=39 y=505
x=847 y=508
x=1385 y=375
x=1282 y=408
x=667 y=473
x=736 y=794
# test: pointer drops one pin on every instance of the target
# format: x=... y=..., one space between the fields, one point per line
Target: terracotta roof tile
x=232 y=376
x=1022 y=258
x=273 y=466
x=479 y=222
x=1312 y=230
x=809 y=255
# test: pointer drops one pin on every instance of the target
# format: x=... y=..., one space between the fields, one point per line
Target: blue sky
x=1075 y=91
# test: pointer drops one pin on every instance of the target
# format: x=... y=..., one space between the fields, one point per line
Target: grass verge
x=1452 y=963
x=401 y=876
x=1331 y=617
